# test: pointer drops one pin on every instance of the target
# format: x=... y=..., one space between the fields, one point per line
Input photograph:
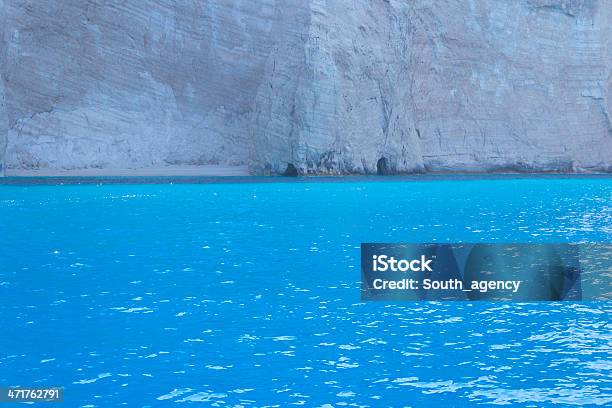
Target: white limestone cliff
x=329 y=86
x=3 y=114
x=3 y=129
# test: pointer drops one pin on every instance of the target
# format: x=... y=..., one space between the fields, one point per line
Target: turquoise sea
x=246 y=292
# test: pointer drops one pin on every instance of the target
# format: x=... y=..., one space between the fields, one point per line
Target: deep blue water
x=248 y=294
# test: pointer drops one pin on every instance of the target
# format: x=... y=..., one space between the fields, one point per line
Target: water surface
x=248 y=294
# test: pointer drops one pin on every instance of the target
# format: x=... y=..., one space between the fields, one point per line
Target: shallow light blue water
x=248 y=294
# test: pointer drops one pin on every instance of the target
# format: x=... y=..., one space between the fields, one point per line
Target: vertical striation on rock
x=276 y=115
x=329 y=87
x=604 y=23
x=349 y=100
x=3 y=128
x=3 y=113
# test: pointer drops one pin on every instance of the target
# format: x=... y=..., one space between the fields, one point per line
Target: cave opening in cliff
x=382 y=166
x=290 y=171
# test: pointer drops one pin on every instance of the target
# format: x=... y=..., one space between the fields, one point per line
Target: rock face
x=3 y=129
x=328 y=86
x=3 y=114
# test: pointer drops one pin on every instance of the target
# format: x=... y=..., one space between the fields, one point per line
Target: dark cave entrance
x=291 y=171
x=382 y=166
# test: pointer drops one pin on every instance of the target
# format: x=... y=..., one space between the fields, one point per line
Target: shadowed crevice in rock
x=291 y=171
x=382 y=167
